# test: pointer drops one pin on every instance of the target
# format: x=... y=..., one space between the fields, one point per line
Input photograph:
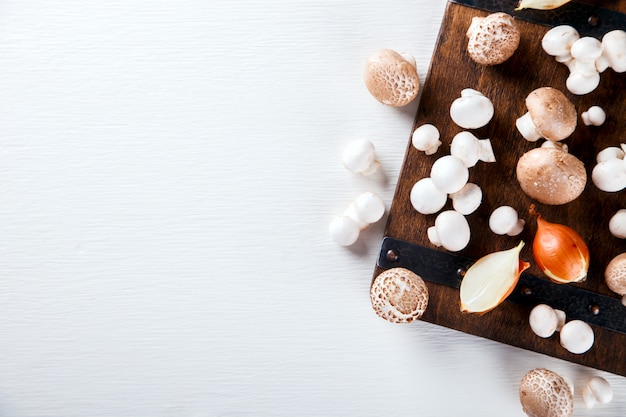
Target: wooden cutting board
x=507 y=85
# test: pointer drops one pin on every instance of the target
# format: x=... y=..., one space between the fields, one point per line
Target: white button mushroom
x=449 y=174
x=580 y=83
x=451 y=231
x=594 y=116
x=368 y=208
x=558 y=41
x=584 y=70
x=550 y=115
x=577 y=336
x=359 y=157
x=615 y=274
x=543 y=320
x=469 y=149
x=505 y=221
x=611 y=152
x=614 y=49
x=617 y=224
x=426 y=198
x=609 y=175
x=467 y=199
x=560 y=316
x=598 y=390
x=472 y=110
x=426 y=138
x=391 y=78
x=492 y=39
x=544 y=393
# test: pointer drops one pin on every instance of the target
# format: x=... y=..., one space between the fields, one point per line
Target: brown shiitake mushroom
x=544 y=393
x=399 y=295
x=391 y=77
x=551 y=175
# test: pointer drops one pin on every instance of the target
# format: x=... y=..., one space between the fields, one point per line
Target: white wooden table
x=168 y=170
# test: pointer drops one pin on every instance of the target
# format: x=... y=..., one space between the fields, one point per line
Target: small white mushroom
x=612 y=152
x=555 y=145
x=550 y=115
x=426 y=198
x=492 y=39
x=344 y=230
x=580 y=83
x=472 y=110
x=426 y=138
x=359 y=157
x=598 y=390
x=543 y=320
x=391 y=78
x=504 y=220
x=577 y=336
x=614 y=49
x=449 y=174
x=366 y=209
x=617 y=224
x=558 y=41
x=467 y=199
x=451 y=231
x=609 y=175
x=469 y=149
x=615 y=274
x=594 y=116
x=560 y=316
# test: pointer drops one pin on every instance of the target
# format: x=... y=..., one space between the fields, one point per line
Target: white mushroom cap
x=426 y=198
x=597 y=390
x=559 y=40
x=391 y=78
x=612 y=152
x=469 y=149
x=467 y=199
x=369 y=207
x=399 y=295
x=344 y=230
x=472 y=110
x=586 y=49
x=504 y=221
x=543 y=320
x=492 y=39
x=615 y=274
x=451 y=231
x=609 y=175
x=426 y=138
x=614 y=46
x=359 y=157
x=577 y=336
x=580 y=83
x=594 y=116
x=449 y=174
x=544 y=393
x=617 y=224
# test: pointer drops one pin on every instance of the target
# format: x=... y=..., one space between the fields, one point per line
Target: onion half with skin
x=560 y=251
x=491 y=279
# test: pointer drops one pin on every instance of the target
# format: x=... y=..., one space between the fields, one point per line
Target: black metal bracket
x=587 y=19
x=447 y=269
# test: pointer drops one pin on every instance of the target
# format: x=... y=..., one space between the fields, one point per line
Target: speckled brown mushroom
x=551 y=176
x=544 y=393
x=615 y=274
x=551 y=115
x=391 y=78
x=492 y=39
x=399 y=295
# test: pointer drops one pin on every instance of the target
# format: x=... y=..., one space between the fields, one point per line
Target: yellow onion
x=540 y=4
x=491 y=279
x=560 y=251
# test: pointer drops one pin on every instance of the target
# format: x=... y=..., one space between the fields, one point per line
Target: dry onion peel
x=491 y=279
x=540 y=4
x=560 y=251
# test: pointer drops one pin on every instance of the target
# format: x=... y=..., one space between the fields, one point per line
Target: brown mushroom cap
x=615 y=274
x=544 y=393
x=492 y=39
x=552 y=113
x=399 y=295
x=551 y=176
x=390 y=78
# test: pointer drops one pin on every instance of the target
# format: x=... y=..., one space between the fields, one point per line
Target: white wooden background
x=168 y=169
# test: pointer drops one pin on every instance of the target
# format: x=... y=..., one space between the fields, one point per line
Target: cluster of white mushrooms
x=576 y=335
x=586 y=57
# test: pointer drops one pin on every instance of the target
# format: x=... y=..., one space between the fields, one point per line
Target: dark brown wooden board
x=507 y=85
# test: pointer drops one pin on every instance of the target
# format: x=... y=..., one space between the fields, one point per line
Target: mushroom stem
x=486 y=151
x=527 y=128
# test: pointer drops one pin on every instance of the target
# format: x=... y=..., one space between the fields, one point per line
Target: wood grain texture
x=507 y=85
